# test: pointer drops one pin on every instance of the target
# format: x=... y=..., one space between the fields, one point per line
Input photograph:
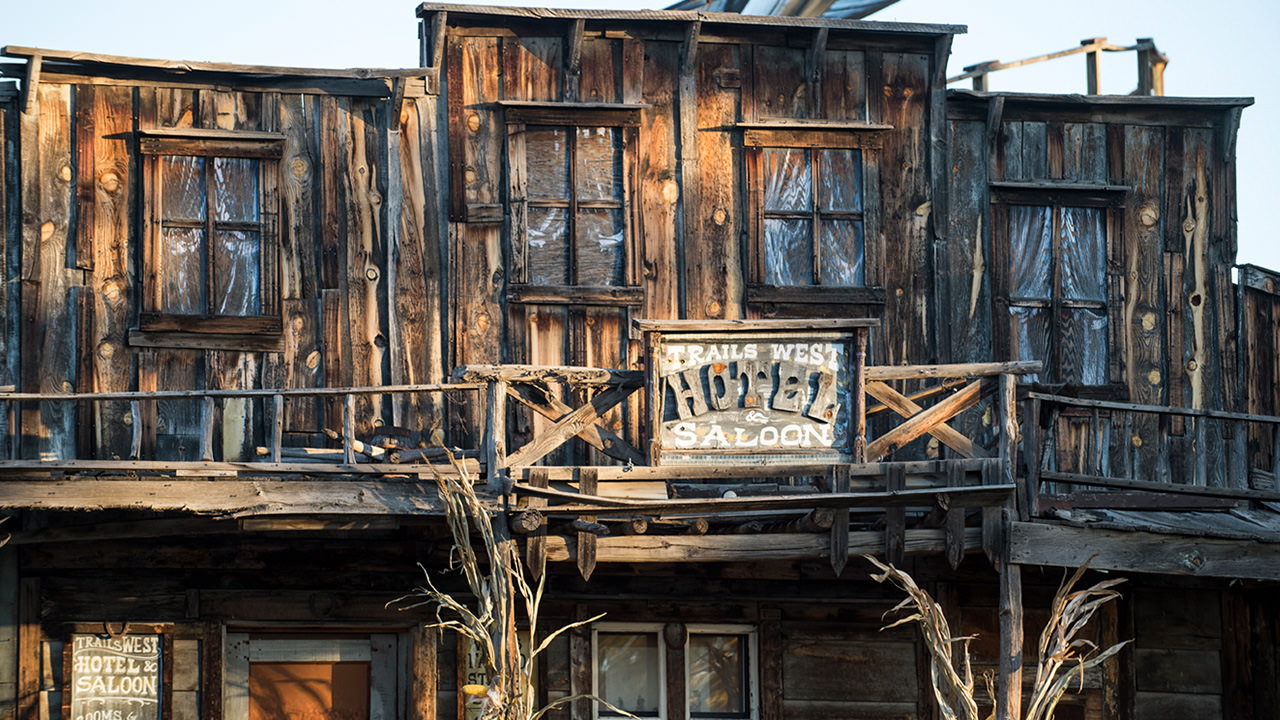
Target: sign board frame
x=138 y=673
x=756 y=392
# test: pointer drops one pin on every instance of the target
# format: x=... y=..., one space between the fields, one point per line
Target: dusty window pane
x=548 y=246
x=1031 y=234
x=1031 y=338
x=599 y=164
x=236 y=272
x=628 y=672
x=182 y=283
x=841 y=175
x=1085 y=339
x=182 y=180
x=235 y=189
x=788 y=252
x=1083 y=241
x=788 y=181
x=842 y=253
x=547 y=159
x=600 y=247
x=717 y=676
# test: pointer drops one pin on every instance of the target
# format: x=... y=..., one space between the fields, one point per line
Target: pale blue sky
x=1216 y=49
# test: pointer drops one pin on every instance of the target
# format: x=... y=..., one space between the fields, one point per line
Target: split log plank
x=745 y=548
x=587 y=485
x=991 y=495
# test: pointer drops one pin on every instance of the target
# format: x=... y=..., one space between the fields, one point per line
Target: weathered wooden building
x=708 y=305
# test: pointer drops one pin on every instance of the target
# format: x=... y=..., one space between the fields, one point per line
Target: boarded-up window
x=210 y=246
x=1057 y=291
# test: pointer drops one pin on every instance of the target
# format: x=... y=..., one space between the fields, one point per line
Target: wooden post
x=277 y=426
x=425 y=673
x=1009 y=441
x=840 y=521
x=895 y=525
x=536 y=545
x=588 y=482
x=954 y=521
x=860 y=395
x=348 y=428
x=29 y=641
x=1092 y=63
x=1151 y=64
x=1031 y=456
x=675 y=637
x=1009 y=685
x=495 y=435
x=206 y=429
x=1202 y=454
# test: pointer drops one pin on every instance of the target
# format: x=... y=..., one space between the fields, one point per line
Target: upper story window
x=209 y=256
x=1055 y=291
x=632 y=672
x=811 y=216
x=569 y=198
x=576 y=227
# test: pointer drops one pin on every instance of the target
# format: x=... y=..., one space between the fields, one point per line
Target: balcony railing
x=1074 y=444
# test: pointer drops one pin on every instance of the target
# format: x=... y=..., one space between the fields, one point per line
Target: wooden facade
x=252 y=313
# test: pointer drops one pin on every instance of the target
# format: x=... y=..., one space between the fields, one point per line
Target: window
x=209 y=235
x=631 y=671
x=810 y=217
x=1055 y=293
x=569 y=202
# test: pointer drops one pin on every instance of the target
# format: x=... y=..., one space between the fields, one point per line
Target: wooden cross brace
x=570 y=422
x=921 y=421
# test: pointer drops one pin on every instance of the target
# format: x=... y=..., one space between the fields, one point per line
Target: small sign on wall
x=115 y=678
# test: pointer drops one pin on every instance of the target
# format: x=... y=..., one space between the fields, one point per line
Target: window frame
x=519 y=117
x=157 y=327
x=1110 y=199
x=752 y=689
x=867 y=138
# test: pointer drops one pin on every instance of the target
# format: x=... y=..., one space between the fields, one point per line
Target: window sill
x=815 y=295
x=575 y=295
x=206 y=341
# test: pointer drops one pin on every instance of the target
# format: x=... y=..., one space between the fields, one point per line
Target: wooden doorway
x=276 y=676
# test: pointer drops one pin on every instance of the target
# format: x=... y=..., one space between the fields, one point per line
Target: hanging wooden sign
x=754 y=391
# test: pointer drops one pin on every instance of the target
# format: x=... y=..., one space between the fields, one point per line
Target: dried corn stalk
x=495 y=576
x=1063 y=655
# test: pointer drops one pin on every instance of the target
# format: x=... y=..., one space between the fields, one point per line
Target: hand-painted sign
x=115 y=678
x=776 y=396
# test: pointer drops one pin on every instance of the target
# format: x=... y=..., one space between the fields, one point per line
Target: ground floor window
x=634 y=666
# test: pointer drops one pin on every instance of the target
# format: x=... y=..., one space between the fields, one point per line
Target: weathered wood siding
x=1171 y=309
x=360 y=265
x=1259 y=297
x=10 y=248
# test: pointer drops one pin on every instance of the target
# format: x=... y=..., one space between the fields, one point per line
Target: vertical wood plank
x=772 y=651
x=658 y=238
x=895 y=522
x=713 y=264
x=1009 y=691
x=907 y=207
x=587 y=485
x=29 y=642
x=581 y=664
x=114 y=278
x=298 y=180
x=1144 y=343
x=425 y=673
x=840 y=521
x=84 y=165
x=954 y=520
x=536 y=546
x=675 y=638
